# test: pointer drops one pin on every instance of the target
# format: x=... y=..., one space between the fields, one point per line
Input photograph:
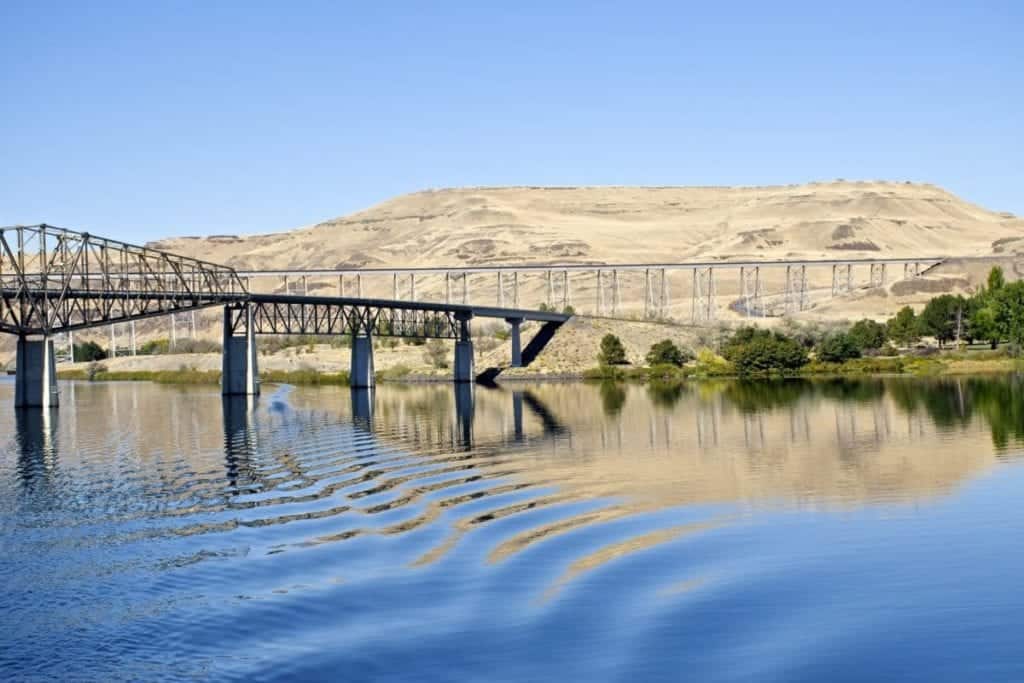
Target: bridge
x=54 y=280
x=598 y=288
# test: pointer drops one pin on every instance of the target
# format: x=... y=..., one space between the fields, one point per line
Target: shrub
x=710 y=364
x=666 y=352
x=88 y=352
x=569 y=310
x=612 y=351
x=768 y=353
x=93 y=370
x=154 y=347
x=838 y=348
x=867 y=334
x=436 y=353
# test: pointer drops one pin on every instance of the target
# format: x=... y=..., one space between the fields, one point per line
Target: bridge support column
x=361 y=369
x=464 y=360
x=36 y=381
x=464 y=351
x=517 y=348
x=239 y=370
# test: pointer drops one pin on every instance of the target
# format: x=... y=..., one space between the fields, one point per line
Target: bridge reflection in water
x=728 y=440
x=426 y=513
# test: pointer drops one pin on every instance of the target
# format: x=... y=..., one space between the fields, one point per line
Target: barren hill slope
x=628 y=224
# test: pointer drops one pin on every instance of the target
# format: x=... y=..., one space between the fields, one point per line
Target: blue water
x=796 y=531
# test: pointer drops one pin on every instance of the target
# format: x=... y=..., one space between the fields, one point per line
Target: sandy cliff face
x=627 y=224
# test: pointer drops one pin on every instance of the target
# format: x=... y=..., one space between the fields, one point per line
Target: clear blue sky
x=143 y=119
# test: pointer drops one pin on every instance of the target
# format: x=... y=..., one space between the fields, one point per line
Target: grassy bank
x=951 y=364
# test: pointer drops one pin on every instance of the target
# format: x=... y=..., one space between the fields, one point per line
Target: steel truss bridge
x=54 y=280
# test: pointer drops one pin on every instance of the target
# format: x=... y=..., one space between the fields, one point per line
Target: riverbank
x=957 y=363
x=951 y=364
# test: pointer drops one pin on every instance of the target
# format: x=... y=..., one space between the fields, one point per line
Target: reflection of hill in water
x=840 y=441
x=550 y=459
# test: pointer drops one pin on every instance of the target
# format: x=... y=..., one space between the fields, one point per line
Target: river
x=840 y=530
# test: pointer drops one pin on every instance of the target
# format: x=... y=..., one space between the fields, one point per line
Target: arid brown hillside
x=629 y=224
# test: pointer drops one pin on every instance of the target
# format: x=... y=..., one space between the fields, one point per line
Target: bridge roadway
x=54 y=280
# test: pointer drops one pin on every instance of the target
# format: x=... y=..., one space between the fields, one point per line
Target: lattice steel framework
x=702 y=303
x=878 y=275
x=842 y=279
x=751 y=292
x=795 y=296
x=330 y=318
x=53 y=279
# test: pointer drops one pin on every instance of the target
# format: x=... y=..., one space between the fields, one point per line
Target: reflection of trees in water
x=753 y=396
x=666 y=394
x=860 y=390
x=956 y=402
x=613 y=397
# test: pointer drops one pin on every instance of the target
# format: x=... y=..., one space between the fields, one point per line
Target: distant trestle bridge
x=598 y=288
x=55 y=281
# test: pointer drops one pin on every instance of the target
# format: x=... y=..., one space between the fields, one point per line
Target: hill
x=628 y=224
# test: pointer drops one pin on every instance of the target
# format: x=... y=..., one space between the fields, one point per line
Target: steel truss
x=702 y=304
x=751 y=292
x=327 y=318
x=877 y=275
x=842 y=279
x=53 y=279
x=796 y=288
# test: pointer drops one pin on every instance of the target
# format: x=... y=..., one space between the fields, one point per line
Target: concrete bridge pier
x=361 y=368
x=239 y=370
x=517 y=347
x=36 y=380
x=464 y=350
x=362 y=406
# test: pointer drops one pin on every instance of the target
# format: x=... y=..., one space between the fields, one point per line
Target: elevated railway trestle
x=694 y=292
x=55 y=281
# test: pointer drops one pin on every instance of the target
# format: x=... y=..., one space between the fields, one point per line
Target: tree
x=903 y=328
x=838 y=348
x=940 y=317
x=1009 y=313
x=612 y=351
x=766 y=353
x=666 y=352
x=740 y=338
x=867 y=334
x=88 y=352
x=996 y=279
x=984 y=325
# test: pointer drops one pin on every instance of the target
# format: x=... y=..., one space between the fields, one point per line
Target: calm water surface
x=790 y=531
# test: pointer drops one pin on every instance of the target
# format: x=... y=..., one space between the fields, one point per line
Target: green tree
x=996 y=279
x=768 y=354
x=666 y=352
x=838 y=348
x=867 y=334
x=740 y=338
x=940 y=317
x=983 y=324
x=1008 y=304
x=88 y=352
x=612 y=351
x=903 y=328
